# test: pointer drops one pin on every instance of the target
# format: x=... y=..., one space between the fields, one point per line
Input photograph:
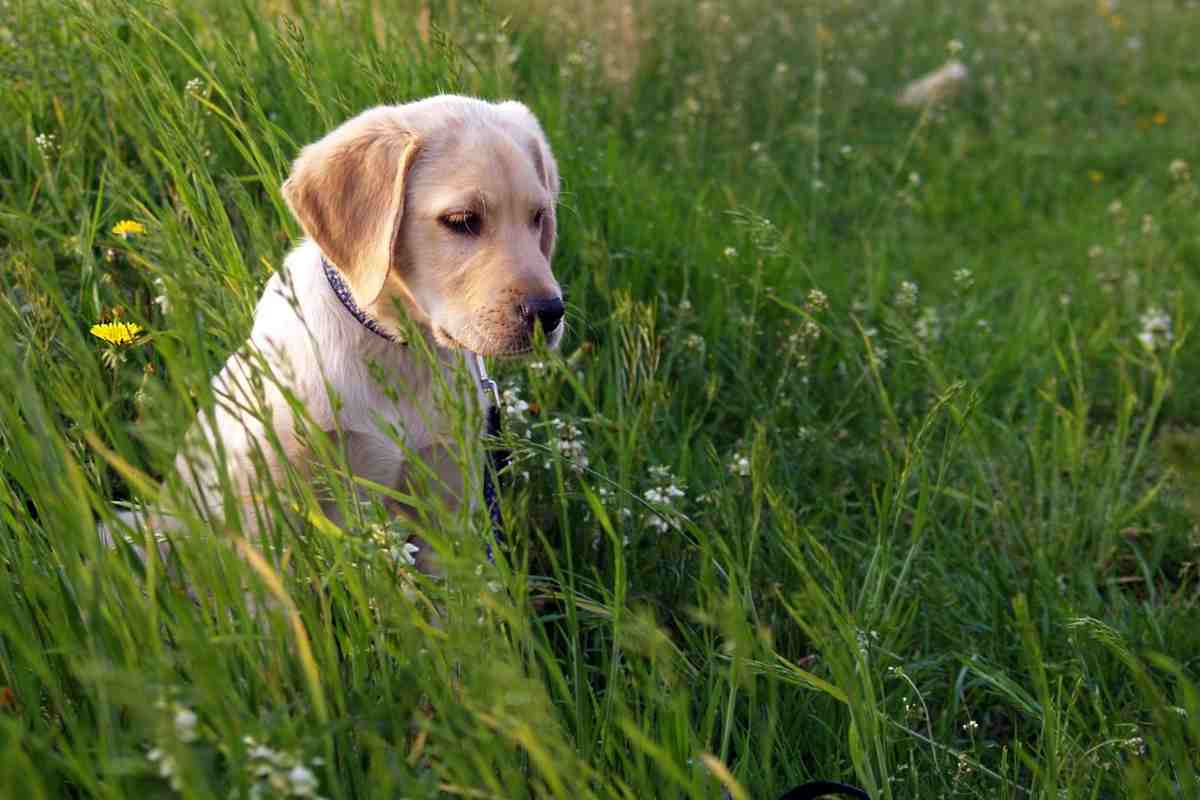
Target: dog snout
x=547 y=311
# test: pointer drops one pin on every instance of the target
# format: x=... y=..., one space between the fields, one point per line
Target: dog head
x=442 y=210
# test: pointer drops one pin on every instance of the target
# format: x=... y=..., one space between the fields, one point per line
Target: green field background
x=870 y=452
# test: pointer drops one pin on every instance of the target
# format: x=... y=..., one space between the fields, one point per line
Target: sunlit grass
x=869 y=454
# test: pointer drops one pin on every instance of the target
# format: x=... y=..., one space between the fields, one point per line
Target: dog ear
x=347 y=191
x=544 y=163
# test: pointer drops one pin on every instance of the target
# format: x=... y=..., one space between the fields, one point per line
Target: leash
x=497 y=458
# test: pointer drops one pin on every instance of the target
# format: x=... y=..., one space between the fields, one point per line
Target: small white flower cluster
x=878 y=353
x=166 y=765
x=514 y=407
x=277 y=773
x=816 y=302
x=694 y=342
x=928 y=326
x=184 y=722
x=739 y=466
x=662 y=496
x=906 y=295
x=194 y=87
x=1179 y=171
x=568 y=442
x=1116 y=210
x=1156 y=329
x=161 y=300
x=964 y=279
x=808 y=331
x=47 y=143
x=1135 y=745
x=866 y=639
x=394 y=544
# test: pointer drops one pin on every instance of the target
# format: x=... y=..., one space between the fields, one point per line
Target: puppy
x=434 y=219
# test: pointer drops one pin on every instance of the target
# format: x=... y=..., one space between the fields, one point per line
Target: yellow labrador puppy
x=436 y=216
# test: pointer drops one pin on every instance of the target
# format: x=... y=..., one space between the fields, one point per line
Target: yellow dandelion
x=116 y=332
x=128 y=227
x=1095 y=175
x=1160 y=118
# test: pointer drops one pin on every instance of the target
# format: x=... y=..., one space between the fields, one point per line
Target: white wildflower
x=739 y=466
x=1156 y=330
x=161 y=300
x=731 y=252
x=1180 y=171
x=302 y=782
x=809 y=331
x=513 y=405
x=928 y=326
x=165 y=763
x=568 y=442
x=185 y=725
x=694 y=342
x=663 y=496
x=964 y=279
x=906 y=295
x=816 y=302
x=47 y=143
x=194 y=87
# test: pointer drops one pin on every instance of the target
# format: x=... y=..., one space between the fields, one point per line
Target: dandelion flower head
x=116 y=332
x=128 y=227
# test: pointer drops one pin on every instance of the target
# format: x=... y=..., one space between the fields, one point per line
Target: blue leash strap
x=497 y=457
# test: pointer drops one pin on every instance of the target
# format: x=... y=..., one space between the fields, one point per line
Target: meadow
x=870 y=453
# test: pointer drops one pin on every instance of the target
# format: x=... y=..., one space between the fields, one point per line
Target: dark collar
x=342 y=291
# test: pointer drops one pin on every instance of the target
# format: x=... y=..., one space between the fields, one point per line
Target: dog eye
x=538 y=217
x=465 y=223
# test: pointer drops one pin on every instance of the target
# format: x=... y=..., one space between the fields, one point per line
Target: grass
x=921 y=377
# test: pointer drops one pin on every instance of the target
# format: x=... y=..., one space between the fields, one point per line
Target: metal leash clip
x=485 y=382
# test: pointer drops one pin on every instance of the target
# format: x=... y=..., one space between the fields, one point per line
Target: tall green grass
x=869 y=455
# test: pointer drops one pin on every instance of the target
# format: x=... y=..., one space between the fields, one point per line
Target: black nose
x=548 y=311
